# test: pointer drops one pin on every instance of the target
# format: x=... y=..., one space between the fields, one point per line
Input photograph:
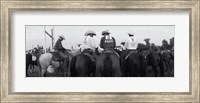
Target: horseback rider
x=165 y=47
x=147 y=43
x=130 y=46
x=107 y=42
x=89 y=44
x=59 y=49
x=147 y=50
x=153 y=47
x=122 y=45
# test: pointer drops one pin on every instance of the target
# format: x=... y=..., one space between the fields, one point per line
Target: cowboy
x=147 y=43
x=38 y=47
x=58 y=48
x=153 y=47
x=147 y=48
x=122 y=45
x=165 y=45
x=89 y=45
x=89 y=42
x=130 y=46
x=107 y=42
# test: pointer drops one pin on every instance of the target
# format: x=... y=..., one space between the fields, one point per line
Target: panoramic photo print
x=100 y=50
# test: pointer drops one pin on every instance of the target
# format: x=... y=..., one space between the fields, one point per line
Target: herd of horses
x=108 y=63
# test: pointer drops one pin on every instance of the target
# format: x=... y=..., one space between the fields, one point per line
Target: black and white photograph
x=105 y=51
x=99 y=50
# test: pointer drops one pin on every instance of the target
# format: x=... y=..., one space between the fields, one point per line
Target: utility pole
x=45 y=39
x=52 y=34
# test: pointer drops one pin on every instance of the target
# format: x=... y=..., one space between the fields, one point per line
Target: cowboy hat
x=62 y=36
x=122 y=43
x=131 y=33
x=147 y=39
x=105 y=32
x=90 y=32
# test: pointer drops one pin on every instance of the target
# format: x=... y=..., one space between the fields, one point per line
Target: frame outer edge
x=4 y=36
x=195 y=64
x=4 y=52
x=199 y=50
x=1 y=28
x=0 y=50
x=197 y=34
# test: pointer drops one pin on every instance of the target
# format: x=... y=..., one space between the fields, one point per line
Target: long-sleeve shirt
x=58 y=46
x=89 y=43
x=107 y=42
x=131 y=43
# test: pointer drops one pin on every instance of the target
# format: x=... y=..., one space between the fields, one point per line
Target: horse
x=133 y=64
x=151 y=57
x=45 y=60
x=28 y=62
x=167 y=61
x=82 y=66
x=154 y=60
x=108 y=65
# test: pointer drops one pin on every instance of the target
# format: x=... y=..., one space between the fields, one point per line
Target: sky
x=74 y=34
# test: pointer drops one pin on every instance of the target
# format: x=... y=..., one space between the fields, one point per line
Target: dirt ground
x=149 y=73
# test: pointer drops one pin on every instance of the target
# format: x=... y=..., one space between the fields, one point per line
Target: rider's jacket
x=107 y=42
x=131 y=43
x=58 y=46
x=89 y=43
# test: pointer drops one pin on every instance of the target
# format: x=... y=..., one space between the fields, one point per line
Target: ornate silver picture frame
x=9 y=6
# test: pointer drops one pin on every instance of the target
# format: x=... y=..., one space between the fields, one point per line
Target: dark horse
x=154 y=60
x=167 y=61
x=134 y=65
x=82 y=65
x=151 y=58
x=108 y=65
x=28 y=62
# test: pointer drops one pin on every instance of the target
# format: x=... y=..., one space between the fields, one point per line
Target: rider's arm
x=101 y=43
x=114 y=42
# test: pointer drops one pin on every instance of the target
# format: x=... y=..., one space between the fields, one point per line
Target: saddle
x=61 y=58
x=90 y=54
x=111 y=51
x=131 y=52
x=57 y=56
x=92 y=58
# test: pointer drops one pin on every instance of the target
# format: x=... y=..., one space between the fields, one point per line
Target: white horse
x=45 y=60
